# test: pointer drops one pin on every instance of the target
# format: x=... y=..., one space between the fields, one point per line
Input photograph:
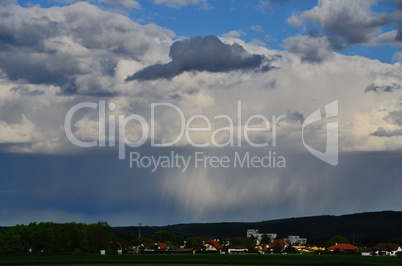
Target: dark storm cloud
x=348 y=27
x=294 y=116
x=97 y=186
x=343 y=29
x=398 y=19
x=384 y=88
x=25 y=91
x=201 y=54
x=381 y=132
x=398 y=36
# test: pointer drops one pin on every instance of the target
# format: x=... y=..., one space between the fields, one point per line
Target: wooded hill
x=367 y=227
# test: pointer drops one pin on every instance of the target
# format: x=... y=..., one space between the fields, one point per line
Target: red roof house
x=161 y=246
x=213 y=244
x=385 y=246
x=273 y=244
x=342 y=247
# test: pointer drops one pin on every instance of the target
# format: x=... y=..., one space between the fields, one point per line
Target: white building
x=291 y=240
x=254 y=233
x=257 y=235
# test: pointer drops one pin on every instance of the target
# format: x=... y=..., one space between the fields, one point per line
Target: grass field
x=201 y=259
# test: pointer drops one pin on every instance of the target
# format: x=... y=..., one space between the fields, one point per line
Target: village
x=263 y=243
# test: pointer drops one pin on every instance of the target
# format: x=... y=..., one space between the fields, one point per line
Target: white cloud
x=178 y=3
x=123 y=4
x=257 y=28
x=100 y=63
x=22 y=132
x=294 y=21
x=234 y=34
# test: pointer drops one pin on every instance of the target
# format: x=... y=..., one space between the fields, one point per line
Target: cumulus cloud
x=23 y=132
x=77 y=53
x=62 y=45
x=353 y=22
x=394 y=117
x=270 y=4
x=7 y=2
x=381 y=132
x=122 y=4
x=234 y=34
x=347 y=23
x=313 y=49
x=382 y=88
x=179 y=3
x=201 y=54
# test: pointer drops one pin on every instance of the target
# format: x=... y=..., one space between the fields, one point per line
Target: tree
x=388 y=248
x=242 y=241
x=100 y=236
x=195 y=243
x=337 y=240
x=290 y=249
x=124 y=238
x=265 y=239
x=278 y=247
x=11 y=241
x=163 y=236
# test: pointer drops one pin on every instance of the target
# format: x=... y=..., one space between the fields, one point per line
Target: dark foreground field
x=201 y=259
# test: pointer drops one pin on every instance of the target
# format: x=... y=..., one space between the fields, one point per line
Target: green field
x=201 y=259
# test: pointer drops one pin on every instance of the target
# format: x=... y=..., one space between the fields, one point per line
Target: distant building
x=296 y=239
x=237 y=249
x=257 y=235
x=254 y=233
x=366 y=251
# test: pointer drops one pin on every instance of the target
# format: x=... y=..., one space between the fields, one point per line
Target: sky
x=179 y=111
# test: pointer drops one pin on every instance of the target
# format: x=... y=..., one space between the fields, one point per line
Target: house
x=237 y=249
x=304 y=249
x=366 y=251
x=145 y=247
x=271 y=247
x=161 y=246
x=204 y=240
x=212 y=245
x=388 y=249
x=296 y=239
x=342 y=247
x=393 y=252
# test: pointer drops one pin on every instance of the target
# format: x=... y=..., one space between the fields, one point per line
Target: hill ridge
x=381 y=225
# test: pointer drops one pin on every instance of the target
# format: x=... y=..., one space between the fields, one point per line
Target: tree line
x=75 y=238
x=56 y=238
